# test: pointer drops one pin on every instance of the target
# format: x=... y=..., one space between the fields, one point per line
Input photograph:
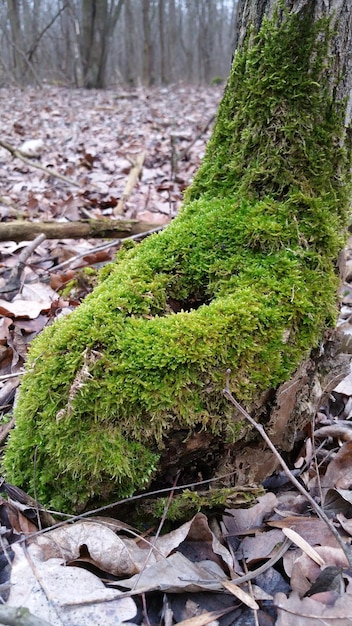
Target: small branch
x=14 y=281
x=105 y=246
x=18 y=154
x=203 y=130
x=5 y=429
x=319 y=511
x=155 y=539
x=131 y=181
x=94 y=229
x=35 y=45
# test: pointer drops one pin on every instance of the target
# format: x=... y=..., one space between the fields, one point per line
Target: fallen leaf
x=64 y=595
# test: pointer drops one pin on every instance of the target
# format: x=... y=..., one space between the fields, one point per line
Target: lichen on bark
x=244 y=278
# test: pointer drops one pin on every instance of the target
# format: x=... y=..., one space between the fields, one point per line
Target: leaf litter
x=273 y=562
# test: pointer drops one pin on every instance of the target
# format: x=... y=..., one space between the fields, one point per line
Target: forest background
x=102 y=43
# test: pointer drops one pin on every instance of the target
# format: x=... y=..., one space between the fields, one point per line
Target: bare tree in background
x=13 y=7
x=99 y=43
x=99 y=18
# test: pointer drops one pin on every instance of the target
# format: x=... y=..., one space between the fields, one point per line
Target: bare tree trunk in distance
x=148 y=78
x=99 y=18
x=13 y=7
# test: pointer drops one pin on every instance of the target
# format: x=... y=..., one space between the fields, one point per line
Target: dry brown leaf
x=338 y=474
x=303 y=571
x=176 y=574
x=293 y=611
x=205 y=618
x=313 y=530
x=260 y=546
x=345 y=386
x=304 y=545
x=238 y=521
x=64 y=595
x=101 y=547
x=242 y=595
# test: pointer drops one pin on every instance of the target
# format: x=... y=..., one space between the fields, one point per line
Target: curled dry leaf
x=176 y=574
x=30 y=303
x=91 y=542
x=304 y=571
x=338 y=474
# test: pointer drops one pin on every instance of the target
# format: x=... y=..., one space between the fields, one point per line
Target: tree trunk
x=129 y=387
x=148 y=78
x=99 y=18
x=251 y=13
x=18 y=53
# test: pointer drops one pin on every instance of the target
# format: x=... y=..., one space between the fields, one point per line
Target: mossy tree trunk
x=129 y=387
x=250 y=15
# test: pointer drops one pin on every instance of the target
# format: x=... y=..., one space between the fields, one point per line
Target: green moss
x=186 y=504
x=244 y=278
x=85 y=280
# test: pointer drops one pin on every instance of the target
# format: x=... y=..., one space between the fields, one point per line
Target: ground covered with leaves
x=264 y=558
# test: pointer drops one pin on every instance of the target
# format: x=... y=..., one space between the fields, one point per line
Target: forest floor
x=175 y=573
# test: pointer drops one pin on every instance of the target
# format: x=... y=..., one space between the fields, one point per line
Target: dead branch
x=184 y=153
x=176 y=157
x=18 y=155
x=131 y=181
x=106 y=246
x=83 y=229
x=14 y=281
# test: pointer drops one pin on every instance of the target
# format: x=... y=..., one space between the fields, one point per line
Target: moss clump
x=188 y=503
x=244 y=278
x=84 y=281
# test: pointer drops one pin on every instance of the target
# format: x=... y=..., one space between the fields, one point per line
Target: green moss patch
x=244 y=278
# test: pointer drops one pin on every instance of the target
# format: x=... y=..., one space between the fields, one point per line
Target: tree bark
x=296 y=402
x=252 y=12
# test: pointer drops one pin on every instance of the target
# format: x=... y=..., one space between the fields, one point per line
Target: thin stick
x=18 y=154
x=105 y=246
x=140 y=496
x=203 y=130
x=131 y=181
x=319 y=511
x=15 y=278
x=162 y=522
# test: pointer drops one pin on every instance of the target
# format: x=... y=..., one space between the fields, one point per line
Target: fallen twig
x=5 y=429
x=18 y=154
x=14 y=281
x=131 y=181
x=105 y=246
x=184 y=153
x=25 y=231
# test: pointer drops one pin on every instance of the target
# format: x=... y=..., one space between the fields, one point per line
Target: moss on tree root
x=244 y=278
